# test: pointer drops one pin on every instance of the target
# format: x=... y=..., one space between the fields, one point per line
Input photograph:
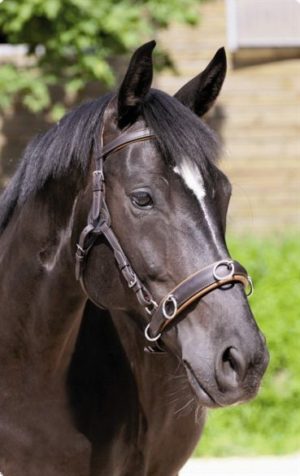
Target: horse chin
x=203 y=396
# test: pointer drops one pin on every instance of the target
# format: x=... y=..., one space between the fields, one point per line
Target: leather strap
x=126 y=138
x=143 y=295
x=194 y=287
x=99 y=222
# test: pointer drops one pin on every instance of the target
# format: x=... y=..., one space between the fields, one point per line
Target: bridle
x=99 y=223
x=221 y=274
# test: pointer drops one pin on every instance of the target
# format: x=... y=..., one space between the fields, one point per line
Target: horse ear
x=200 y=93
x=136 y=84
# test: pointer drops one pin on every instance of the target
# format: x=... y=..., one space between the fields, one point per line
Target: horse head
x=158 y=205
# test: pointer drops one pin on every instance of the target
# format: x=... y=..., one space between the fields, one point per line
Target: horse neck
x=154 y=374
x=41 y=303
x=166 y=400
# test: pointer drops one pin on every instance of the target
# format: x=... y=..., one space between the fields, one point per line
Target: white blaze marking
x=193 y=179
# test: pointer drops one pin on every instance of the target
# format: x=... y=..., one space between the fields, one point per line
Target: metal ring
x=169 y=299
x=151 y=339
x=251 y=290
x=230 y=266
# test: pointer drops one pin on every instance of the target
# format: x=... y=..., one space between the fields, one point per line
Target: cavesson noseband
x=163 y=315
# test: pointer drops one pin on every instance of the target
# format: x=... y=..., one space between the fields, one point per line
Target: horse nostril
x=228 y=358
x=230 y=369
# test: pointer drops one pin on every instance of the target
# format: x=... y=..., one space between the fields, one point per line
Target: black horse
x=166 y=201
x=136 y=407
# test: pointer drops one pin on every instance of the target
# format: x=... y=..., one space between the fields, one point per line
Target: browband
x=126 y=138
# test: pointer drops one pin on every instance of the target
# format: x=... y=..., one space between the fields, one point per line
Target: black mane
x=65 y=146
x=180 y=133
x=68 y=144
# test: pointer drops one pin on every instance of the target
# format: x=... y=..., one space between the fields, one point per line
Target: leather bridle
x=221 y=274
x=99 y=223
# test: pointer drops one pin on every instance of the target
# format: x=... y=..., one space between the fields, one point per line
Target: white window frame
x=235 y=42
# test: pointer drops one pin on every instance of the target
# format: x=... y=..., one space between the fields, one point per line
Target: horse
x=157 y=408
x=121 y=203
x=136 y=407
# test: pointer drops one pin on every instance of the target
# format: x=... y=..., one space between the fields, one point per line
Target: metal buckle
x=151 y=307
x=151 y=339
x=98 y=179
x=80 y=252
x=230 y=266
x=169 y=300
x=133 y=281
x=99 y=174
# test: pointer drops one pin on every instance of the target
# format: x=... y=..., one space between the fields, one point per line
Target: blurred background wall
x=257 y=114
x=260 y=108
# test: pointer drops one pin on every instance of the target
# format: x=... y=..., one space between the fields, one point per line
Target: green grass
x=271 y=423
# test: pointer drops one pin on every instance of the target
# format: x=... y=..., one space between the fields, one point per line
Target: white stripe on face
x=193 y=179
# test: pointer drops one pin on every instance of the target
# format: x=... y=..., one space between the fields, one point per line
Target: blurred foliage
x=70 y=42
x=270 y=424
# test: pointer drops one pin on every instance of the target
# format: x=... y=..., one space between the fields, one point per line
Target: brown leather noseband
x=221 y=274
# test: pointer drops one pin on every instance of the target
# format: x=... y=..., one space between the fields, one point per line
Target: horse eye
x=141 y=199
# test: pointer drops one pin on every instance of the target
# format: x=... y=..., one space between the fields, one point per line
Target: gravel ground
x=261 y=466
